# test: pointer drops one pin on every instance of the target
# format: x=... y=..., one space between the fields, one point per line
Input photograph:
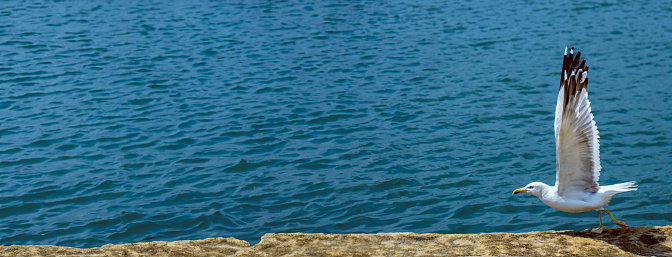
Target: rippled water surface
x=137 y=121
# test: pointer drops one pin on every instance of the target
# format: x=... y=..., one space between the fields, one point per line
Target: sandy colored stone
x=207 y=247
x=640 y=241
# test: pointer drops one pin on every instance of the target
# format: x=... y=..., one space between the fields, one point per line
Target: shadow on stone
x=635 y=240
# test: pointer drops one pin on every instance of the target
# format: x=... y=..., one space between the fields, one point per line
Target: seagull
x=577 y=150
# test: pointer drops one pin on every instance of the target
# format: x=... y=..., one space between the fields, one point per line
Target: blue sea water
x=157 y=120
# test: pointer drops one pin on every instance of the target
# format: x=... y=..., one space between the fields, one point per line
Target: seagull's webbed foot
x=618 y=222
x=621 y=223
x=597 y=230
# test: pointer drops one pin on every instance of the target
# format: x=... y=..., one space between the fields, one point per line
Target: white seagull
x=577 y=150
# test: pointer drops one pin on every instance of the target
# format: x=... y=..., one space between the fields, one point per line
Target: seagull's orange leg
x=620 y=223
x=599 y=230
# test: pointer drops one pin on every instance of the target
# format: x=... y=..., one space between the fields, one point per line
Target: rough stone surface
x=639 y=241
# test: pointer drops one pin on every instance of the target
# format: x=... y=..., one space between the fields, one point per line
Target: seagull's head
x=534 y=188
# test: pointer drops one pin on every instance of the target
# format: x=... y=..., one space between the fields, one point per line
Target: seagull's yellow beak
x=519 y=190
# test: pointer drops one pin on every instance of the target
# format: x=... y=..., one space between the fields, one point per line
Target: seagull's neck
x=550 y=188
x=548 y=192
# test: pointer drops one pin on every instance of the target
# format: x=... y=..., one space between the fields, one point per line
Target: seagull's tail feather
x=618 y=188
x=607 y=192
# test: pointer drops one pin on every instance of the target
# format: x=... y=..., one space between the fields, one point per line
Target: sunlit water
x=137 y=121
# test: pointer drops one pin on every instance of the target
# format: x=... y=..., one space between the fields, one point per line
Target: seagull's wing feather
x=576 y=139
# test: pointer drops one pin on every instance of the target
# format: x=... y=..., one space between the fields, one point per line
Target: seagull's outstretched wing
x=577 y=146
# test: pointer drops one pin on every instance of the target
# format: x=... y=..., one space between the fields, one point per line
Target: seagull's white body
x=579 y=201
x=577 y=149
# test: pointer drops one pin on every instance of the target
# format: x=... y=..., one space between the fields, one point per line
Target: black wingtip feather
x=583 y=63
x=577 y=57
x=573 y=84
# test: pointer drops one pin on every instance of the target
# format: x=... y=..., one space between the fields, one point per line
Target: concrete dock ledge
x=636 y=241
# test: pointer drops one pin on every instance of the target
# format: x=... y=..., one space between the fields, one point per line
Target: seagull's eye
x=530 y=187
